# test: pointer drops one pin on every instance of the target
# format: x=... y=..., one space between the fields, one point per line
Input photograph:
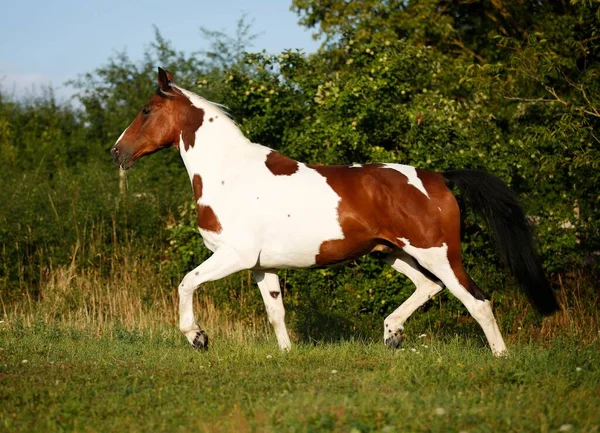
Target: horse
x=259 y=210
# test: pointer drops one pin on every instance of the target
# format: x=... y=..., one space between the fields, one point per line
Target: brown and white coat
x=260 y=210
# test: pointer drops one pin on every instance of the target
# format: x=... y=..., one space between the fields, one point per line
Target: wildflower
x=24 y=361
x=439 y=411
x=269 y=356
x=334 y=371
x=565 y=427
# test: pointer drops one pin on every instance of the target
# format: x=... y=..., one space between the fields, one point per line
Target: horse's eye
x=145 y=110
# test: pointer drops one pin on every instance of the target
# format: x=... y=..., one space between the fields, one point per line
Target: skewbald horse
x=260 y=210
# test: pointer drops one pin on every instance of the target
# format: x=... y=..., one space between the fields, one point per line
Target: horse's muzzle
x=122 y=159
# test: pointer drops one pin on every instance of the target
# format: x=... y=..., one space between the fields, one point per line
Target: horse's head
x=168 y=117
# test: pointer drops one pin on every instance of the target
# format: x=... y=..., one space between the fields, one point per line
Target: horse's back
x=318 y=215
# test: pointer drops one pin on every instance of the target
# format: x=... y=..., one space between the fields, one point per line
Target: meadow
x=111 y=362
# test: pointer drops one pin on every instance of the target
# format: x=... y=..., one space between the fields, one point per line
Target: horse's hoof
x=394 y=341
x=200 y=341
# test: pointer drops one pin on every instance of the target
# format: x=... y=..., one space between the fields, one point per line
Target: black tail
x=490 y=197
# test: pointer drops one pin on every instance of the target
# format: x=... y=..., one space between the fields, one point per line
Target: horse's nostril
x=114 y=151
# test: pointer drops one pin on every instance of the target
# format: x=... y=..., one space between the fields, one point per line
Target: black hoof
x=200 y=341
x=394 y=341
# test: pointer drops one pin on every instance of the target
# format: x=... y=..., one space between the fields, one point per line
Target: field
x=67 y=378
x=93 y=353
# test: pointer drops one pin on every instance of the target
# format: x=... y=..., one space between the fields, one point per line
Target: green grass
x=61 y=379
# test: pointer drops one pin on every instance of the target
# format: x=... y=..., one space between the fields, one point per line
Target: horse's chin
x=125 y=163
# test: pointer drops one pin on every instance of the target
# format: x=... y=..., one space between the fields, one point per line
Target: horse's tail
x=489 y=196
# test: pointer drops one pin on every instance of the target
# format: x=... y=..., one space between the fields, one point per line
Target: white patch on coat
x=411 y=174
x=281 y=221
x=428 y=257
x=356 y=166
x=121 y=136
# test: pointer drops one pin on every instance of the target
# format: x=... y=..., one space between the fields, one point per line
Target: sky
x=47 y=42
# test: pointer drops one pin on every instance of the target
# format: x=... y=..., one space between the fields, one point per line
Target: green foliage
x=39 y=133
x=80 y=217
x=510 y=87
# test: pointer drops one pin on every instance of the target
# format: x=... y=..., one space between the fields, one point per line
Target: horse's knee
x=187 y=286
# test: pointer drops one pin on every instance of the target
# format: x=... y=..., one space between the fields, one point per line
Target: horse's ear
x=165 y=78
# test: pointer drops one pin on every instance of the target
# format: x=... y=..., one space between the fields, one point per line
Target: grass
x=55 y=378
x=103 y=354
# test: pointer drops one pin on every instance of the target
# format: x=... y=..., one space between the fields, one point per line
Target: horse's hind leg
x=426 y=288
x=445 y=264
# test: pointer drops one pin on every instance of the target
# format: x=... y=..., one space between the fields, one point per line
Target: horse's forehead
x=157 y=99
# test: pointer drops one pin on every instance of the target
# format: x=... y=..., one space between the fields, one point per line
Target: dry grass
x=131 y=297
x=579 y=316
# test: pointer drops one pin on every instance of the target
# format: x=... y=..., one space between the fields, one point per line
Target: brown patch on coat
x=197 y=186
x=207 y=220
x=274 y=294
x=281 y=165
x=378 y=206
x=190 y=122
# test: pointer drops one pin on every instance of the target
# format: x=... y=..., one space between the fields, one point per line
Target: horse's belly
x=294 y=241
x=289 y=255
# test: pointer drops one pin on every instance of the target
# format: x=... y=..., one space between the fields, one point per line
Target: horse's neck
x=220 y=150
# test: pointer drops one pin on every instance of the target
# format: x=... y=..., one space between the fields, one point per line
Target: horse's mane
x=222 y=109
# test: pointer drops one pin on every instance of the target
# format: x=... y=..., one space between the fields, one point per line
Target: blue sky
x=51 y=41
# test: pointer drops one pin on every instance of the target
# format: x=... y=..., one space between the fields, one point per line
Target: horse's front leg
x=225 y=261
x=268 y=283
